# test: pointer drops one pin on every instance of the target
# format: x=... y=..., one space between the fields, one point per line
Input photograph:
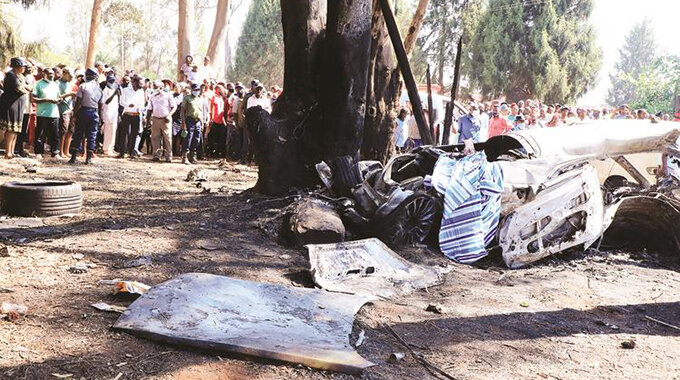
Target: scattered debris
x=315 y=222
x=63 y=376
x=368 y=267
x=662 y=323
x=265 y=320
x=435 y=308
x=208 y=245
x=628 y=344
x=206 y=190
x=31 y=169
x=360 y=338
x=397 y=356
x=78 y=256
x=146 y=260
x=102 y=306
x=5 y=251
x=132 y=287
x=12 y=311
x=285 y=257
x=431 y=368
x=79 y=268
x=6 y=290
x=196 y=175
x=524 y=304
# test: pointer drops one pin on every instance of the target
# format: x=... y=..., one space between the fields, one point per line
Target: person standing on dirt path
x=12 y=104
x=110 y=113
x=160 y=110
x=132 y=99
x=88 y=109
x=193 y=116
x=46 y=96
x=67 y=91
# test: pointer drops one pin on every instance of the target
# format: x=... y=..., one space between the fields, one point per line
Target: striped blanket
x=472 y=190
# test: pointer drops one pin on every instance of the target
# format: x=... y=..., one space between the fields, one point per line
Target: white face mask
x=195 y=93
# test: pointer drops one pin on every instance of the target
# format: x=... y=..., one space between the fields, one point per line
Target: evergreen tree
x=637 y=55
x=536 y=49
x=259 y=51
x=442 y=27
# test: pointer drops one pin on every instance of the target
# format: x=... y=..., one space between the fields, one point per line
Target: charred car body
x=562 y=188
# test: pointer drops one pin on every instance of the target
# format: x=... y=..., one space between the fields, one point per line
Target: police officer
x=88 y=108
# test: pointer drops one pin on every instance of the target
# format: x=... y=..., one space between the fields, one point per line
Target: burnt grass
x=564 y=317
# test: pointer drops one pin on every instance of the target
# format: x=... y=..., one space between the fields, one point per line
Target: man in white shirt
x=258 y=99
x=132 y=100
x=110 y=114
x=161 y=107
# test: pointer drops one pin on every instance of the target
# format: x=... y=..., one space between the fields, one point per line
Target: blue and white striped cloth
x=472 y=190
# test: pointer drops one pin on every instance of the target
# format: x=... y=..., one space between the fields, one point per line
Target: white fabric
x=132 y=101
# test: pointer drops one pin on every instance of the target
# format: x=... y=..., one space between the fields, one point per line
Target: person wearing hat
x=46 y=96
x=88 y=107
x=520 y=124
x=159 y=115
x=12 y=104
x=194 y=114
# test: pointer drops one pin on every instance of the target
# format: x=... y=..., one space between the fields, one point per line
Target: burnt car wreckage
x=613 y=181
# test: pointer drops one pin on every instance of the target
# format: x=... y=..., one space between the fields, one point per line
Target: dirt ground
x=564 y=318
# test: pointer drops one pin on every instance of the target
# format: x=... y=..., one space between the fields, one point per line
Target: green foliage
x=8 y=43
x=444 y=23
x=535 y=49
x=125 y=19
x=656 y=85
x=637 y=57
x=259 y=52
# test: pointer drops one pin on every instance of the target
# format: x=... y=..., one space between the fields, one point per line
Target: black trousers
x=128 y=129
x=217 y=140
x=47 y=130
x=23 y=136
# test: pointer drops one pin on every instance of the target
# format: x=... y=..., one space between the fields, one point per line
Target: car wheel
x=49 y=198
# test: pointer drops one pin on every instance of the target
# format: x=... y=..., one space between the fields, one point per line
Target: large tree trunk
x=216 y=46
x=185 y=31
x=320 y=114
x=94 y=30
x=378 y=141
x=416 y=23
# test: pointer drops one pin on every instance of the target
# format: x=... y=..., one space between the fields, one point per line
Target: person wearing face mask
x=110 y=114
x=160 y=110
x=46 y=96
x=194 y=109
x=132 y=99
x=468 y=129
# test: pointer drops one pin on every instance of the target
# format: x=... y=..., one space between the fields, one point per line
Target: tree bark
x=94 y=31
x=320 y=114
x=414 y=28
x=185 y=31
x=216 y=46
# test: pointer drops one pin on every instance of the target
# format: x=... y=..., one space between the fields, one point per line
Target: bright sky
x=612 y=18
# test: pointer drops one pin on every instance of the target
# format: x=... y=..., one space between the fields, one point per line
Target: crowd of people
x=66 y=113
x=488 y=119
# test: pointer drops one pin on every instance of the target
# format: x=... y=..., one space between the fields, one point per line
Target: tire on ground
x=47 y=198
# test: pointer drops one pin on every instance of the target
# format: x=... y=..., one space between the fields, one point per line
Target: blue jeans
x=86 y=127
x=193 y=139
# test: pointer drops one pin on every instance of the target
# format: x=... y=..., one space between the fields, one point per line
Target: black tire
x=48 y=198
x=412 y=221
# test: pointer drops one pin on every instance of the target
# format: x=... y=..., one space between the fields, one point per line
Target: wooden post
x=410 y=82
x=448 y=120
x=430 y=112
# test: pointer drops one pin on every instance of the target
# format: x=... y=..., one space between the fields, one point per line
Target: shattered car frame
x=563 y=187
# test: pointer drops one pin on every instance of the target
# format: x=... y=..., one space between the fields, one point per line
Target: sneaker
x=156 y=158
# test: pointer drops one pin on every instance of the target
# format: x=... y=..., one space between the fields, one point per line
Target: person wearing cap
x=110 y=113
x=46 y=96
x=12 y=104
x=160 y=110
x=67 y=91
x=132 y=99
x=88 y=107
x=194 y=114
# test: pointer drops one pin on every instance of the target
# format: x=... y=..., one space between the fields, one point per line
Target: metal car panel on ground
x=305 y=326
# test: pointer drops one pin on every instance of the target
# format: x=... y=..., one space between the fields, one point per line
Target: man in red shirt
x=216 y=132
x=498 y=125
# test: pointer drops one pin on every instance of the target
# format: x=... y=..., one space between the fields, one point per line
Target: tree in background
x=637 y=57
x=123 y=19
x=443 y=24
x=535 y=49
x=260 y=46
x=656 y=85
